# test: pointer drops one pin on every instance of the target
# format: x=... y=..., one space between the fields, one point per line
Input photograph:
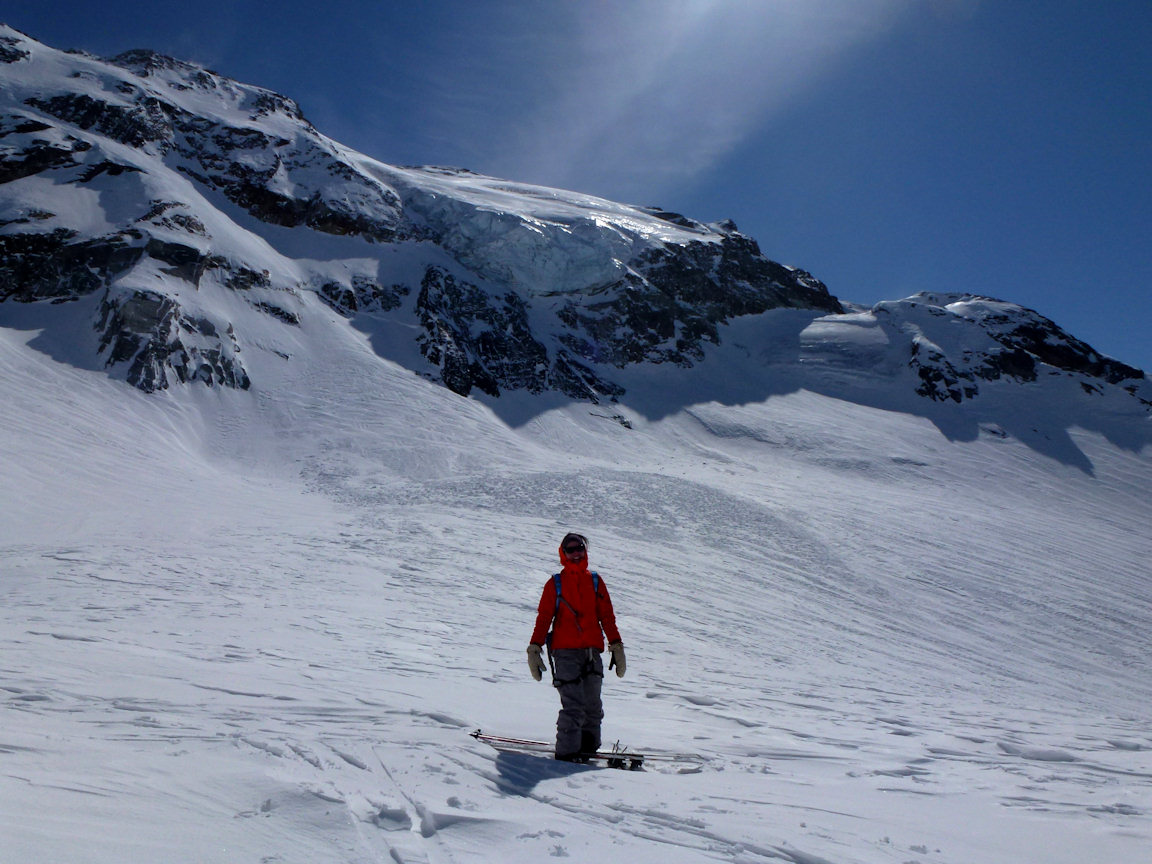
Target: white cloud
x=631 y=98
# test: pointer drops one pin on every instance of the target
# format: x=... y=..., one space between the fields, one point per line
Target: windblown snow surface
x=259 y=626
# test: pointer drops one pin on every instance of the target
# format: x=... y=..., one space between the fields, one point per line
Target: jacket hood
x=568 y=564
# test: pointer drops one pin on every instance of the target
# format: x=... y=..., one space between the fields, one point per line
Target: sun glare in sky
x=640 y=100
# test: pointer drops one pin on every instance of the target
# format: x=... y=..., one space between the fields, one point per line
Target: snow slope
x=258 y=625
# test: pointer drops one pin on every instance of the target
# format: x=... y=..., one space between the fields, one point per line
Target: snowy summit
x=291 y=436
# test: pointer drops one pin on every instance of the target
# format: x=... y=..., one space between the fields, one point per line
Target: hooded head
x=574 y=551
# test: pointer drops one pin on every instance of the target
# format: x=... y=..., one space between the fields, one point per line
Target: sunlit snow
x=259 y=626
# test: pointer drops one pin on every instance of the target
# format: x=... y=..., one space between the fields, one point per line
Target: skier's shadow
x=519 y=773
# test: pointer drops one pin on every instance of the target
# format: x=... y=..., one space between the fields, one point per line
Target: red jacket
x=583 y=618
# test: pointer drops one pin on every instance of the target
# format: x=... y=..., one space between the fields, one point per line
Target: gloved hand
x=536 y=662
x=618 y=662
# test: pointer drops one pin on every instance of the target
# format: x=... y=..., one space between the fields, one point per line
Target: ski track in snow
x=262 y=629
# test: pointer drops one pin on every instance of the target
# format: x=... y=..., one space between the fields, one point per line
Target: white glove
x=536 y=662
x=617 y=649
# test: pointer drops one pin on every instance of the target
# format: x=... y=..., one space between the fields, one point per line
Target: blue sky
x=888 y=146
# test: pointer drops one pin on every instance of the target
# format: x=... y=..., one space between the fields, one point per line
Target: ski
x=617 y=757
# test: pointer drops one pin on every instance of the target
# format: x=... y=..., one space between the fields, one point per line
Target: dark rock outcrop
x=38 y=154
x=145 y=121
x=1039 y=338
x=961 y=340
x=57 y=266
x=674 y=299
x=479 y=341
x=149 y=333
x=361 y=295
x=10 y=50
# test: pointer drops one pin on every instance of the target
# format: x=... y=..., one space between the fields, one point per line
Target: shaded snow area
x=258 y=626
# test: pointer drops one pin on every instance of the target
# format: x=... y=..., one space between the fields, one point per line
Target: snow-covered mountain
x=289 y=438
x=182 y=202
x=176 y=195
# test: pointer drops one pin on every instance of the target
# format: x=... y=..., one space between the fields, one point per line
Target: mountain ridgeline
x=186 y=214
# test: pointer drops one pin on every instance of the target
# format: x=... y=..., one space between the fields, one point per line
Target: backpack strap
x=560 y=596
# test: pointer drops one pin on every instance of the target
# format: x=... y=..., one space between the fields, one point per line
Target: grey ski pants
x=578 y=676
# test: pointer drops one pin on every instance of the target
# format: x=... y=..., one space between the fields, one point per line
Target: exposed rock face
x=240 y=161
x=10 y=50
x=142 y=122
x=361 y=295
x=37 y=154
x=960 y=340
x=672 y=301
x=477 y=340
x=57 y=266
x=148 y=332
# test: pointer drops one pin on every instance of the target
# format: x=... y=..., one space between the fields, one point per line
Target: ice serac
x=200 y=214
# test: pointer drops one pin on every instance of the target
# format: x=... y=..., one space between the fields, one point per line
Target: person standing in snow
x=576 y=605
